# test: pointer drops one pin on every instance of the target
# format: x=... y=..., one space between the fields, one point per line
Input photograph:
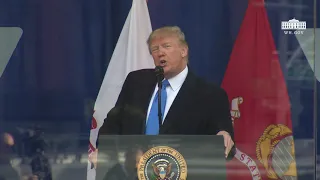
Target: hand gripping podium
x=162 y=157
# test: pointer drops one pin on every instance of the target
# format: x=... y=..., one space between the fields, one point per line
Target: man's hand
x=228 y=143
x=93 y=158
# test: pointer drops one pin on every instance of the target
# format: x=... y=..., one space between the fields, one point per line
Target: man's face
x=8 y=139
x=138 y=157
x=169 y=53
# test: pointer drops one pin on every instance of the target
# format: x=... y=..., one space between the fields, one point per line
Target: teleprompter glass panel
x=161 y=157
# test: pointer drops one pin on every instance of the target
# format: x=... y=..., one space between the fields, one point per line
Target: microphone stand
x=160 y=76
x=159 y=101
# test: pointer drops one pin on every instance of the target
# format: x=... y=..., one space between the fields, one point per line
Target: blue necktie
x=153 y=119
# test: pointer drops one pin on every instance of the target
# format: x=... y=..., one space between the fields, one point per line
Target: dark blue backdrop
x=55 y=73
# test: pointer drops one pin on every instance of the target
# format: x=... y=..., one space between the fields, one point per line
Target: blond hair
x=168 y=31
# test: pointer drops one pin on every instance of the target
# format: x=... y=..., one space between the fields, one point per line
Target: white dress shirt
x=172 y=91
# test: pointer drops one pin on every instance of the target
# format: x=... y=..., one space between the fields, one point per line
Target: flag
x=131 y=53
x=260 y=106
x=10 y=37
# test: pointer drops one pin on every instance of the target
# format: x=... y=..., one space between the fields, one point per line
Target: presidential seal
x=162 y=163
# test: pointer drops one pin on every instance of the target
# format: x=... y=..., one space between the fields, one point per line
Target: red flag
x=260 y=106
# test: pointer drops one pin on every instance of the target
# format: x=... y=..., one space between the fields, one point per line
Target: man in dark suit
x=190 y=106
x=7 y=172
x=127 y=170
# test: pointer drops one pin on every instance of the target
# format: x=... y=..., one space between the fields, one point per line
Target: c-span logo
x=162 y=163
x=293 y=26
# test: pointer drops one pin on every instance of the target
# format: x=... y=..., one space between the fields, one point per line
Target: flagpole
x=315 y=96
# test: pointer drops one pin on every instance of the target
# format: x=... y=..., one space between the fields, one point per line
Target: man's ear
x=184 y=51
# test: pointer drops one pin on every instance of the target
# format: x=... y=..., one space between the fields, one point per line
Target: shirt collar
x=177 y=81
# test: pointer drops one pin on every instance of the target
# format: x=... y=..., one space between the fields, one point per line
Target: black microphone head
x=159 y=71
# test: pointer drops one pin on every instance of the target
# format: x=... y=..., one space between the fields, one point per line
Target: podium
x=162 y=157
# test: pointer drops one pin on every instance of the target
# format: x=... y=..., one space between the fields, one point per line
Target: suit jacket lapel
x=146 y=94
x=180 y=101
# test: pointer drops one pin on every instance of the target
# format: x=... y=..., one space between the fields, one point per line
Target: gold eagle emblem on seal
x=275 y=150
x=162 y=163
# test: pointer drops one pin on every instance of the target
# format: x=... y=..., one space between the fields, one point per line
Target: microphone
x=159 y=74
